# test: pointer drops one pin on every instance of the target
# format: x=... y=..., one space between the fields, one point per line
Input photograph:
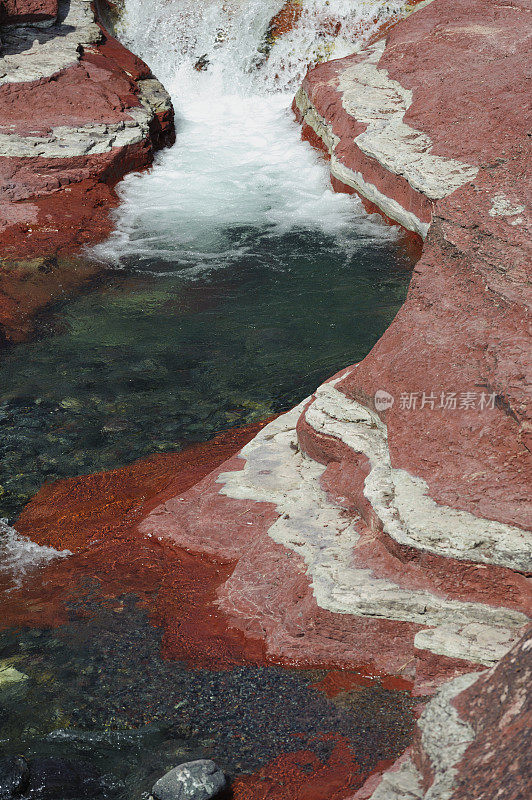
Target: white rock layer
x=401 y=501
x=324 y=537
x=371 y=97
x=29 y=53
x=374 y=99
x=69 y=142
x=444 y=738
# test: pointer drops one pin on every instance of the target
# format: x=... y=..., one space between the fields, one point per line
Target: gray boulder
x=195 y=780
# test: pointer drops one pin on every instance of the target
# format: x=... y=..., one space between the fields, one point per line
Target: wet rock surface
x=14 y=777
x=196 y=780
x=106 y=715
x=99 y=692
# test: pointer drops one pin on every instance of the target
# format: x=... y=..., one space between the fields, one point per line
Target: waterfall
x=239 y=162
x=239 y=43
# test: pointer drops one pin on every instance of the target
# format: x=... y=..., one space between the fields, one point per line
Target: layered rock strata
x=386 y=520
x=455 y=363
x=473 y=739
x=319 y=585
x=101 y=113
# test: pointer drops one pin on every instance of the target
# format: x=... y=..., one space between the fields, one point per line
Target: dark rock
x=14 y=775
x=202 y=63
x=52 y=778
x=195 y=780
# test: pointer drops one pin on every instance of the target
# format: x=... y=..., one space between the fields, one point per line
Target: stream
x=235 y=282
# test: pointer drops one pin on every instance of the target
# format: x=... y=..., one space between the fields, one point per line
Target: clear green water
x=160 y=354
x=166 y=353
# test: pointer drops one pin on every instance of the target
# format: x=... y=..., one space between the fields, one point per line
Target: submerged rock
x=10 y=675
x=14 y=776
x=195 y=780
x=202 y=63
x=51 y=778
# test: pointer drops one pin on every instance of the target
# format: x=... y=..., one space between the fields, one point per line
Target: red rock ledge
x=78 y=111
x=23 y=12
x=386 y=521
x=404 y=520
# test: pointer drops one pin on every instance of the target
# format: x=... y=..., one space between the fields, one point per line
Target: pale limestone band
x=276 y=471
x=371 y=97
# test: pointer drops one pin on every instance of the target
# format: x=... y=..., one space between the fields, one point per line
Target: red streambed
x=96 y=517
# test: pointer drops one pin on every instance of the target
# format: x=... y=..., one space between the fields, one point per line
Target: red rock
x=96 y=517
x=498 y=708
x=461 y=329
x=182 y=584
x=67 y=514
x=472 y=740
x=267 y=596
x=337 y=682
x=269 y=593
x=92 y=91
x=285 y=19
x=462 y=326
x=320 y=86
x=302 y=776
x=24 y=11
x=53 y=206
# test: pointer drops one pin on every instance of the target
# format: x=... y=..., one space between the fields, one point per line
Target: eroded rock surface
x=396 y=534
x=456 y=361
x=473 y=739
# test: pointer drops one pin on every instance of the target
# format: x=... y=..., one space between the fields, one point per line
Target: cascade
x=238 y=164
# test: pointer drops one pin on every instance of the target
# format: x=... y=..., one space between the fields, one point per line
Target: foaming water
x=239 y=162
x=239 y=42
x=20 y=556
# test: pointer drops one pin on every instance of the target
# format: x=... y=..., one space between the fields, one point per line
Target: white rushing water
x=239 y=160
x=19 y=555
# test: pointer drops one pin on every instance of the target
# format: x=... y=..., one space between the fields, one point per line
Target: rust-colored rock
x=463 y=326
x=52 y=205
x=28 y=11
x=499 y=709
x=96 y=517
x=456 y=360
x=285 y=19
x=302 y=776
